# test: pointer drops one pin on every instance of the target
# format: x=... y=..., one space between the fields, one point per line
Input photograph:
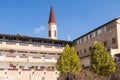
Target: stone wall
x=85 y=74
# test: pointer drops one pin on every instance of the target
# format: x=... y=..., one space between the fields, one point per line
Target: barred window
x=105 y=43
x=113 y=40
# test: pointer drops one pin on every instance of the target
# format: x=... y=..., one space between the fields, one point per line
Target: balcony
x=30 y=47
x=6 y=58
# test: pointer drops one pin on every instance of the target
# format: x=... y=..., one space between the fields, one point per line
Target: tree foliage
x=68 y=61
x=101 y=61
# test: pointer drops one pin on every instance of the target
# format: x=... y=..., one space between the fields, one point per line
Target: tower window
x=55 y=33
x=49 y=33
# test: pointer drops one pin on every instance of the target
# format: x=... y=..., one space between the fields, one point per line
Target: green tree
x=68 y=62
x=101 y=61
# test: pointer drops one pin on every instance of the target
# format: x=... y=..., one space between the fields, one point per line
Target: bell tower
x=52 y=27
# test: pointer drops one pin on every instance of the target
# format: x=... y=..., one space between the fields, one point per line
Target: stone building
x=108 y=34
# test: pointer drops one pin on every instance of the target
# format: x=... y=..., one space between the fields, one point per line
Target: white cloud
x=39 y=29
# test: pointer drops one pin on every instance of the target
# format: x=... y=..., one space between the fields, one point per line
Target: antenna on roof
x=69 y=38
x=19 y=34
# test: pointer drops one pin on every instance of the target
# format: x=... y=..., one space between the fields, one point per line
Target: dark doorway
x=67 y=78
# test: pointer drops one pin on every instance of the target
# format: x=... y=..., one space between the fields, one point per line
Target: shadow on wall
x=65 y=77
x=116 y=75
x=85 y=74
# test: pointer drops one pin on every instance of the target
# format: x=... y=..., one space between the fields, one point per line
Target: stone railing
x=8 y=58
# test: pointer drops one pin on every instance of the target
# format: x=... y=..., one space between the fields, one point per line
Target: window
x=23 y=40
x=21 y=67
x=49 y=67
x=104 y=29
x=20 y=40
x=84 y=50
x=90 y=35
x=90 y=48
x=49 y=33
x=78 y=53
x=53 y=67
x=36 y=67
x=59 y=44
x=1 y=38
x=81 y=41
x=48 y=43
x=7 y=39
x=108 y=49
x=109 y=27
x=38 y=42
x=77 y=41
x=10 y=39
x=84 y=39
x=99 y=32
x=63 y=44
x=96 y=33
x=113 y=40
x=42 y=67
x=55 y=33
x=105 y=43
x=93 y=34
x=14 y=39
x=32 y=67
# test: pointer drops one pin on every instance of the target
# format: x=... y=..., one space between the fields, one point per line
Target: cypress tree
x=68 y=62
x=101 y=62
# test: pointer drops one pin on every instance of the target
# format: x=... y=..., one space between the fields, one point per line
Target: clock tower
x=52 y=26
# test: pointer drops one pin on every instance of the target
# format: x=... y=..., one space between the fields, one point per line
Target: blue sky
x=74 y=17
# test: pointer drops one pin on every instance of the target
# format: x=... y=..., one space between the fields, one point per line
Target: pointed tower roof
x=51 y=17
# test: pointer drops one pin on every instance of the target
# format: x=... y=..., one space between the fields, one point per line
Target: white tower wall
x=52 y=31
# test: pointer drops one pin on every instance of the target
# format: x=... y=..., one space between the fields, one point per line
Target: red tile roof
x=51 y=17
